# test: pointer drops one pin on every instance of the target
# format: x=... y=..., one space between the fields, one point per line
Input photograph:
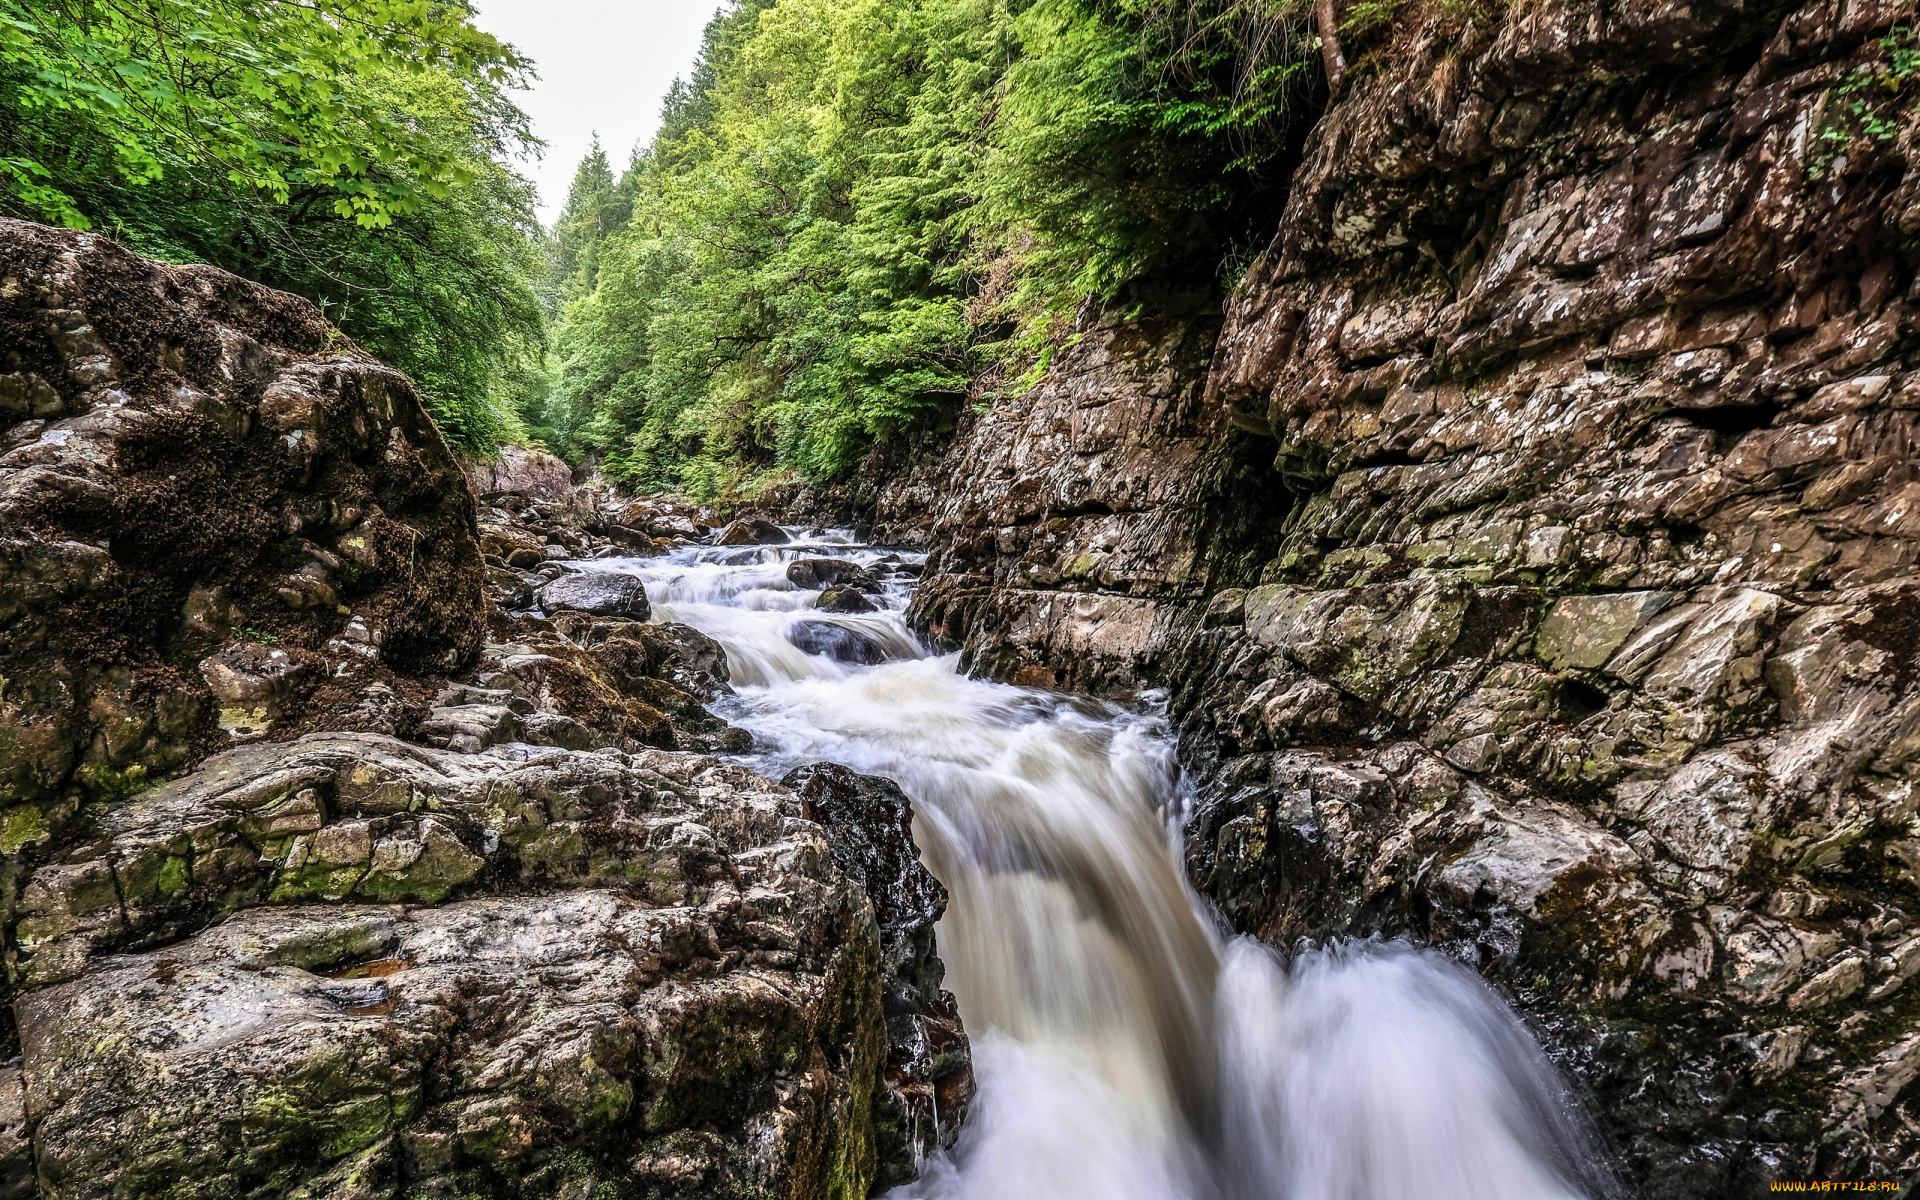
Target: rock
x=815 y=574
x=253 y=683
x=843 y=600
x=678 y=981
x=1584 y=631
x=869 y=824
x=602 y=594
x=752 y=531
x=1830 y=986
x=221 y=466
x=533 y=474
x=16 y=1144
x=838 y=642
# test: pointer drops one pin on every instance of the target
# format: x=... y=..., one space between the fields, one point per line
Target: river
x=1126 y=1046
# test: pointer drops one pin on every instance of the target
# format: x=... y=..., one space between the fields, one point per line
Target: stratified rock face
x=1598 y=412
x=1584 y=640
x=1065 y=519
x=198 y=470
x=660 y=986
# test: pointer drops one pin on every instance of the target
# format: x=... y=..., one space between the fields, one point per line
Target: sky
x=604 y=67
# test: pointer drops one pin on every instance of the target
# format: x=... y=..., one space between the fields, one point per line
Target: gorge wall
x=1529 y=556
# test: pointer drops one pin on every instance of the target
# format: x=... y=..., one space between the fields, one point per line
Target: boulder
x=752 y=531
x=841 y=643
x=843 y=600
x=603 y=594
x=813 y=574
x=534 y=474
x=869 y=824
x=198 y=459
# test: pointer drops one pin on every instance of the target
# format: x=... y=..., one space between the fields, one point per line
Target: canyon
x=1521 y=562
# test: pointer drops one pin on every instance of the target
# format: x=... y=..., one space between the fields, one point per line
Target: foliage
x=856 y=209
x=1867 y=102
x=353 y=152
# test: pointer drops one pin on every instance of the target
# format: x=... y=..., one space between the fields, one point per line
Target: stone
x=245 y=464
x=840 y=643
x=1831 y=985
x=843 y=600
x=869 y=824
x=815 y=574
x=685 y=977
x=603 y=594
x=1584 y=631
x=752 y=531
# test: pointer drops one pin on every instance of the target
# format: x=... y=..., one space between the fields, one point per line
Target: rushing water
x=1123 y=1047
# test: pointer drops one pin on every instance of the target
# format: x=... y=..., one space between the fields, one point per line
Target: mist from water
x=1124 y=1049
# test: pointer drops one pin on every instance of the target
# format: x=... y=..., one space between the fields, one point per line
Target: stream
x=1125 y=1045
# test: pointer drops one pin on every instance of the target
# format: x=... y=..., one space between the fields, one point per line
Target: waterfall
x=1124 y=1048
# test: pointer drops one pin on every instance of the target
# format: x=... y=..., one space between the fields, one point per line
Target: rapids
x=1124 y=1047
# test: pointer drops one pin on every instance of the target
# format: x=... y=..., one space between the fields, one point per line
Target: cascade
x=1125 y=1047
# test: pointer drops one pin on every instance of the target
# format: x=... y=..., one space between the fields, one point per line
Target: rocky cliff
x=1530 y=557
x=324 y=874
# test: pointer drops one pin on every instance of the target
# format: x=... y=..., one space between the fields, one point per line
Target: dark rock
x=869 y=824
x=752 y=531
x=838 y=642
x=609 y=594
x=193 y=434
x=843 y=600
x=813 y=574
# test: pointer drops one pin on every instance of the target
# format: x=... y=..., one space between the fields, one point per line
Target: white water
x=1124 y=1049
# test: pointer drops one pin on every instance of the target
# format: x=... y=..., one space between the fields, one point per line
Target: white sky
x=604 y=66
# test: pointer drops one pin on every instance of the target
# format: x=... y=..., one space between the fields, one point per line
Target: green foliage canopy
x=352 y=151
x=857 y=210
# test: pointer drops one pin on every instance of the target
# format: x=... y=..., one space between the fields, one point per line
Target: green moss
x=103 y=782
x=22 y=826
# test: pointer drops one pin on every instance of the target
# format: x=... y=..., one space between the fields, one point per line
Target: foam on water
x=1124 y=1050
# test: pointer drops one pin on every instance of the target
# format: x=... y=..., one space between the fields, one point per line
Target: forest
x=854 y=220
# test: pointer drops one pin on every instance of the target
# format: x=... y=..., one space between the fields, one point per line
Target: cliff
x=1529 y=555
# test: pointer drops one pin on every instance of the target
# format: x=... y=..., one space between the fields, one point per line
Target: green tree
x=356 y=153
x=857 y=211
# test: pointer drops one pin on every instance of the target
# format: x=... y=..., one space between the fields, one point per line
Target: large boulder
x=643 y=973
x=192 y=465
x=601 y=593
x=814 y=574
x=752 y=531
x=515 y=470
x=841 y=643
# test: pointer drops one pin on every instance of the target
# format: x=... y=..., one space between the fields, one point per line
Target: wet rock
x=752 y=531
x=869 y=824
x=843 y=600
x=601 y=594
x=533 y=474
x=16 y=1146
x=841 y=643
x=815 y=574
x=661 y=973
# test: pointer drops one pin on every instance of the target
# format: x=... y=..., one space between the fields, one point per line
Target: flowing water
x=1124 y=1048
